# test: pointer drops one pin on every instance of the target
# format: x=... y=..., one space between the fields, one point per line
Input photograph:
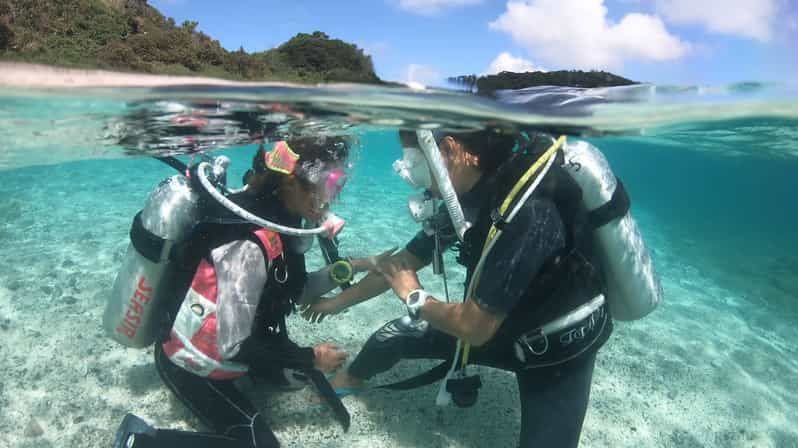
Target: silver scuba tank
x=633 y=287
x=168 y=216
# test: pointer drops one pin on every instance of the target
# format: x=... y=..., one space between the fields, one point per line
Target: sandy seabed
x=709 y=368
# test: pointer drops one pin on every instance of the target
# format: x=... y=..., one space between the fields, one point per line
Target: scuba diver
x=551 y=253
x=211 y=276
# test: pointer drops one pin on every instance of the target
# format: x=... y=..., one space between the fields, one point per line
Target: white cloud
x=747 y=18
x=432 y=7
x=425 y=75
x=578 y=34
x=505 y=62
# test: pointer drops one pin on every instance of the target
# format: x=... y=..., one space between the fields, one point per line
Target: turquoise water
x=713 y=366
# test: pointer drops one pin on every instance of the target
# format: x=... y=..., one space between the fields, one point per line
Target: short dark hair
x=492 y=146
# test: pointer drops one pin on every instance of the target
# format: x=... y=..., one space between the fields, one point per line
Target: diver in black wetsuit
x=539 y=270
x=229 y=320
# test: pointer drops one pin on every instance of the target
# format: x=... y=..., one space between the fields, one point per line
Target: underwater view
x=711 y=174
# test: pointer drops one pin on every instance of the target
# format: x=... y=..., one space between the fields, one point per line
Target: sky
x=682 y=42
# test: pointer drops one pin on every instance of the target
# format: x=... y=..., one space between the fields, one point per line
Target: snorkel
x=418 y=167
x=283 y=160
x=438 y=169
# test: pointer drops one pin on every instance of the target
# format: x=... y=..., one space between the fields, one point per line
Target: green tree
x=317 y=53
x=190 y=25
x=6 y=36
x=489 y=84
x=132 y=35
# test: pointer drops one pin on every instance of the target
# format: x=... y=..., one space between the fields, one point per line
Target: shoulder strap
x=270 y=243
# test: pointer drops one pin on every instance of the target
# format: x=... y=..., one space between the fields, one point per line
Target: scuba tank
x=167 y=222
x=170 y=214
x=633 y=288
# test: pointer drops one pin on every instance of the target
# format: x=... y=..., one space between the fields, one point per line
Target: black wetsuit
x=553 y=398
x=219 y=404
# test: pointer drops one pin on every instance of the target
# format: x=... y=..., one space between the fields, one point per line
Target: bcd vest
x=192 y=340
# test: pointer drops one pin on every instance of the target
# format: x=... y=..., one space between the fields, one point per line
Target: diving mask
x=414 y=168
x=327 y=182
x=334 y=181
x=327 y=189
x=283 y=159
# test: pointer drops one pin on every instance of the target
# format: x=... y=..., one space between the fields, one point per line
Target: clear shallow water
x=714 y=366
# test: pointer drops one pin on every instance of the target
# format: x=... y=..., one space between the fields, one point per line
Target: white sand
x=706 y=369
x=23 y=75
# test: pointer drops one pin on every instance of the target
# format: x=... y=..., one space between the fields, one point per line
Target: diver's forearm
x=446 y=317
x=371 y=286
x=465 y=321
x=317 y=284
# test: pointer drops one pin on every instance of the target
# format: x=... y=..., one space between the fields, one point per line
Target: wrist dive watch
x=341 y=272
x=415 y=300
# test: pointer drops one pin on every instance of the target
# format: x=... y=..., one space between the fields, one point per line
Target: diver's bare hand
x=328 y=357
x=371 y=263
x=316 y=312
x=402 y=278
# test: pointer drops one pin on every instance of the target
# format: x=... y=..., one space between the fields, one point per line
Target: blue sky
x=661 y=41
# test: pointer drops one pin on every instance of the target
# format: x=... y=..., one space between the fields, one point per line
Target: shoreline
x=27 y=75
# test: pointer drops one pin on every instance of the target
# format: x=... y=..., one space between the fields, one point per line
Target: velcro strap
x=615 y=208
x=148 y=244
x=539 y=348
